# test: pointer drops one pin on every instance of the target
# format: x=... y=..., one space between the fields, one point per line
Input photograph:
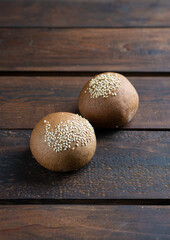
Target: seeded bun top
x=108 y=100
x=103 y=85
x=63 y=141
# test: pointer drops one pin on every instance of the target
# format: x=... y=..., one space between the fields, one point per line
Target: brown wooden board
x=139 y=50
x=86 y=13
x=84 y=222
x=74 y=39
x=25 y=100
x=127 y=165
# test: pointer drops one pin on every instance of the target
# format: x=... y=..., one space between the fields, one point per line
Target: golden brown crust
x=62 y=161
x=113 y=111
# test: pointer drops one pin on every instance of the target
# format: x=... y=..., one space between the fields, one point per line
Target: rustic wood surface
x=126 y=165
x=86 y=13
x=25 y=100
x=48 y=50
x=84 y=222
x=139 y=50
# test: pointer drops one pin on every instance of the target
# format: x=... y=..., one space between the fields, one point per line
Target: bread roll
x=108 y=100
x=63 y=142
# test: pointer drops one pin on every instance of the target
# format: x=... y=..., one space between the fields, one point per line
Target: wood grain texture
x=86 y=13
x=139 y=50
x=69 y=222
x=25 y=100
x=126 y=165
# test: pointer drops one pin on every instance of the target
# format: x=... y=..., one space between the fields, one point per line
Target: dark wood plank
x=25 y=100
x=86 y=13
x=85 y=49
x=127 y=165
x=84 y=222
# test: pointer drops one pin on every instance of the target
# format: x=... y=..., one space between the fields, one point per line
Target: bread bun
x=108 y=100
x=63 y=142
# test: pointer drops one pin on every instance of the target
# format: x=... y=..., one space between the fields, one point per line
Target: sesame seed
x=104 y=85
x=75 y=133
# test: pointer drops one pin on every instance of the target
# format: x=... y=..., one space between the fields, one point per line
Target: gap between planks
x=86 y=201
x=78 y=74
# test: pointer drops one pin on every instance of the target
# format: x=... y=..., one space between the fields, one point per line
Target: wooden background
x=48 y=50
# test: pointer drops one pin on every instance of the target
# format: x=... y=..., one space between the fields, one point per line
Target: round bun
x=63 y=142
x=108 y=100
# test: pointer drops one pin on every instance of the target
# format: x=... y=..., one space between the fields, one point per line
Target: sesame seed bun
x=108 y=100
x=63 y=142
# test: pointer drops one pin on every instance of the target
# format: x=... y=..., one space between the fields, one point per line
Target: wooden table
x=48 y=50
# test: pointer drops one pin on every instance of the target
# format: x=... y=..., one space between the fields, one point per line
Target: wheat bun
x=63 y=142
x=108 y=100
